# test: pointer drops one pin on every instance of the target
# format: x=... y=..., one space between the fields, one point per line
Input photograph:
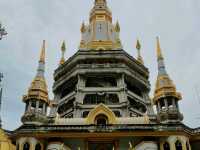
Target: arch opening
x=166 y=146
x=26 y=146
x=38 y=147
x=178 y=145
x=101 y=120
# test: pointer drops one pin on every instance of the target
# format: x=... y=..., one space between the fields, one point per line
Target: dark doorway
x=166 y=146
x=101 y=120
x=178 y=145
x=101 y=146
x=26 y=146
x=38 y=147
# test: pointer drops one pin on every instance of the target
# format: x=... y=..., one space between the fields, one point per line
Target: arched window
x=26 y=146
x=101 y=98
x=38 y=147
x=85 y=114
x=101 y=120
x=33 y=105
x=178 y=145
x=117 y=113
x=166 y=146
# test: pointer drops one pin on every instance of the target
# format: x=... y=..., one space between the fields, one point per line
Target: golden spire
x=100 y=2
x=164 y=85
x=138 y=47
x=38 y=88
x=159 y=51
x=63 y=49
x=83 y=27
x=117 y=27
x=42 y=53
x=83 y=30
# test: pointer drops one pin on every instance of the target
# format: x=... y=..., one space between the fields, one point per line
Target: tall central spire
x=100 y=11
x=101 y=33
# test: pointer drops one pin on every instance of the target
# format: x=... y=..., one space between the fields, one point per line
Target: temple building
x=101 y=99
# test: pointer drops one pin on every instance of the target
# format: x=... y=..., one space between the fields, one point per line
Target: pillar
x=171 y=140
x=81 y=82
x=172 y=145
x=173 y=103
x=32 y=146
x=149 y=108
x=184 y=146
x=121 y=84
x=159 y=108
x=183 y=142
x=29 y=105
x=44 y=109
x=20 y=146
x=166 y=104
x=161 y=145
x=37 y=106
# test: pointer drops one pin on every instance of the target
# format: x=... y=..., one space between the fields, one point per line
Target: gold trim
x=101 y=110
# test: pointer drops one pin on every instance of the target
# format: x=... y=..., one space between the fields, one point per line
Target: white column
x=174 y=103
x=166 y=104
x=172 y=145
x=37 y=106
x=44 y=109
x=29 y=105
x=161 y=145
x=159 y=108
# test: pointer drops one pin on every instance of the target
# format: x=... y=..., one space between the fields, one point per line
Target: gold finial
x=159 y=51
x=83 y=30
x=117 y=27
x=100 y=2
x=83 y=27
x=42 y=53
x=63 y=49
x=138 y=47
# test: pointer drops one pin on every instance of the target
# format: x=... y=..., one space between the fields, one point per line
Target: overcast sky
x=28 y=22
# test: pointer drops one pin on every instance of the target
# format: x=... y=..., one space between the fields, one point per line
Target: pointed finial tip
x=117 y=27
x=159 y=51
x=100 y=1
x=43 y=45
x=138 y=45
x=63 y=47
x=42 y=53
x=83 y=28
